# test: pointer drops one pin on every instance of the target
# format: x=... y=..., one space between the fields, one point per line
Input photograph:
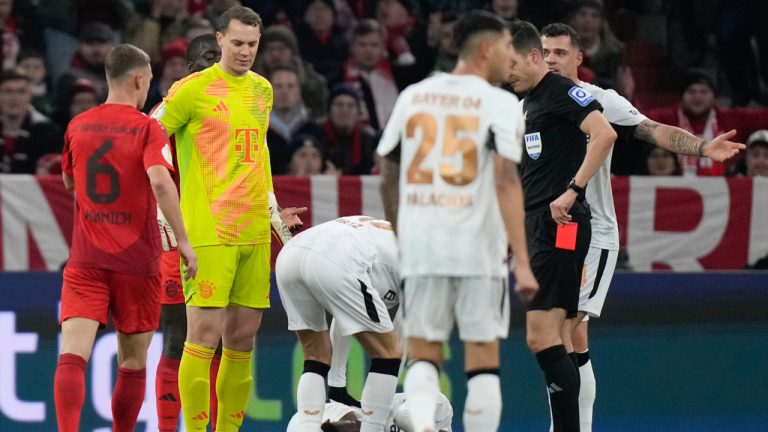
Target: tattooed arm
x=681 y=141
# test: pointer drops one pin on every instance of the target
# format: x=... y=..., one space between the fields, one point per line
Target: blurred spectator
x=96 y=39
x=447 y=53
x=8 y=29
x=216 y=8
x=165 y=22
x=277 y=12
x=411 y=57
x=308 y=157
x=661 y=162
x=698 y=114
x=321 y=41
x=117 y=14
x=370 y=72
x=196 y=8
x=690 y=30
x=195 y=26
x=603 y=52
x=754 y=162
x=289 y=117
x=173 y=67
x=26 y=135
x=32 y=65
x=278 y=48
x=506 y=9
x=739 y=24
x=82 y=96
x=349 y=143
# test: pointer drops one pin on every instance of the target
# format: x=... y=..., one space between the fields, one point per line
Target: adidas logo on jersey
x=221 y=107
x=168 y=397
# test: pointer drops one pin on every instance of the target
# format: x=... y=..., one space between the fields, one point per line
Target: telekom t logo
x=251 y=145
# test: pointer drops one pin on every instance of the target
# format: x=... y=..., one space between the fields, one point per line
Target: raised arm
x=681 y=141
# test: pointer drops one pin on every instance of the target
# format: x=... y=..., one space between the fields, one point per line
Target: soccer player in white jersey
x=450 y=180
x=339 y=417
x=348 y=267
x=562 y=53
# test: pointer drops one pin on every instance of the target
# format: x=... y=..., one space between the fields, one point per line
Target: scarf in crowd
x=694 y=165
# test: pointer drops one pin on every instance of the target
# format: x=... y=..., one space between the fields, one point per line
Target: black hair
x=525 y=37
x=201 y=44
x=562 y=29
x=473 y=23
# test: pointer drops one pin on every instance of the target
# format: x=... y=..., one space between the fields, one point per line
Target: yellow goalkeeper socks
x=233 y=385
x=194 y=385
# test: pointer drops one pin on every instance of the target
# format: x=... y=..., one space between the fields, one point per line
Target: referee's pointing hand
x=562 y=205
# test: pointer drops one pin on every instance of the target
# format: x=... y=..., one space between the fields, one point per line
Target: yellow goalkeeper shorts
x=230 y=275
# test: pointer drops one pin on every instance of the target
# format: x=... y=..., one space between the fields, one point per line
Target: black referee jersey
x=554 y=145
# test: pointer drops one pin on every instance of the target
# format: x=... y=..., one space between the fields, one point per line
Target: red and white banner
x=672 y=223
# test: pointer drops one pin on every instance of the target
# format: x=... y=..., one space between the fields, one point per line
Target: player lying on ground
x=347 y=267
x=338 y=417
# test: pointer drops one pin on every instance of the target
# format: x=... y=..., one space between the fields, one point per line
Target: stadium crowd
x=337 y=67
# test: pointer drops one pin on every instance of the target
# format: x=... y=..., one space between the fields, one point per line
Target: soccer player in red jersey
x=202 y=52
x=117 y=160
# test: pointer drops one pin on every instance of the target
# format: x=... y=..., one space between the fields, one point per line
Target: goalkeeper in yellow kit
x=220 y=118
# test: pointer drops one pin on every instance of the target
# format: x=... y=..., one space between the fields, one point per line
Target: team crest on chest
x=533 y=145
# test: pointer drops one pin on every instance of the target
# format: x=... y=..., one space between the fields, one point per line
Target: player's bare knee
x=481 y=355
x=420 y=349
x=316 y=345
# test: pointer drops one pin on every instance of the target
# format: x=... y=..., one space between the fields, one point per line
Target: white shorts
x=597 y=275
x=309 y=284
x=478 y=305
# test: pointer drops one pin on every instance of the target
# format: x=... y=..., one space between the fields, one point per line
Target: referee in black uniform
x=556 y=166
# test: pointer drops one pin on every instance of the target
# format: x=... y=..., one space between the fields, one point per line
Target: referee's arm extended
x=601 y=139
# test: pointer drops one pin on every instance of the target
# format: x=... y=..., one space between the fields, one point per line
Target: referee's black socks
x=562 y=379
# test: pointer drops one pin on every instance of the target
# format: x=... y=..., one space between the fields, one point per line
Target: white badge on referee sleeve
x=533 y=145
x=581 y=96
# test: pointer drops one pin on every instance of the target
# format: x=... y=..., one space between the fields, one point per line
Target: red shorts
x=133 y=301
x=171 y=291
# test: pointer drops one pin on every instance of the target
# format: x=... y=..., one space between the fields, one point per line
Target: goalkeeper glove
x=281 y=231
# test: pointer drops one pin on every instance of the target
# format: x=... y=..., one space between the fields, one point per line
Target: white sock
x=421 y=389
x=376 y=401
x=482 y=409
x=310 y=401
x=587 y=394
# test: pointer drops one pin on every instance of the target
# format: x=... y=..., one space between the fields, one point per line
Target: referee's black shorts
x=558 y=271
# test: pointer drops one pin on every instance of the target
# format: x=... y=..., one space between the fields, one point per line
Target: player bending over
x=347 y=267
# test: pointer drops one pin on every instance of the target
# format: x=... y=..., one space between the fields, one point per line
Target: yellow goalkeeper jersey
x=220 y=123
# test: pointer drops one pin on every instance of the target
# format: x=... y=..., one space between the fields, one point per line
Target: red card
x=566 y=236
